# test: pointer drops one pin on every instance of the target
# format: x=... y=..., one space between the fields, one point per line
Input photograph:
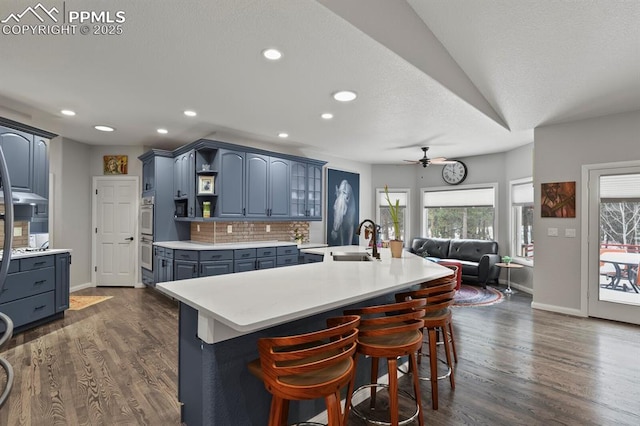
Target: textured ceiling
x=465 y=77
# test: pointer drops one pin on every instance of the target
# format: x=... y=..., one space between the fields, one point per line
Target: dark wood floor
x=116 y=363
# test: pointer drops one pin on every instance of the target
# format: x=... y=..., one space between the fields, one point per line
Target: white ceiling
x=465 y=77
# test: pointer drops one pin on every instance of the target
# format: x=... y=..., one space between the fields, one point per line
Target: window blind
x=480 y=197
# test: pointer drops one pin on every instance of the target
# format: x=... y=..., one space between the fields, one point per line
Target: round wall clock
x=454 y=173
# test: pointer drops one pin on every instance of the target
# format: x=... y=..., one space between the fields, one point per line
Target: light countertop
x=241 y=303
x=196 y=245
x=37 y=253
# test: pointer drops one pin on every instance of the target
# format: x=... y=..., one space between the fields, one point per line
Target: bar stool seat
x=389 y=331
x=308 y=366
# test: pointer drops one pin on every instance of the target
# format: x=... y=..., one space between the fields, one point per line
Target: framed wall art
x=343 y=207
x=115 y=164
x=558 y=199
x=205 y=185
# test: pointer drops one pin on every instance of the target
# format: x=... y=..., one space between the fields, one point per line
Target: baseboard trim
x=322 y=417
x=558 y=309
x=80 y=287
x=517 y=286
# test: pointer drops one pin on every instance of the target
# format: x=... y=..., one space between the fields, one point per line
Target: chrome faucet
x=374 y=238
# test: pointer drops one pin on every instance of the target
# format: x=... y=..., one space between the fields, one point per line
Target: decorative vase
x=396 y=248
x=299 y=241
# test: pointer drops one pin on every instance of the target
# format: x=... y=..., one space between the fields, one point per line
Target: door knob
x=129 y=239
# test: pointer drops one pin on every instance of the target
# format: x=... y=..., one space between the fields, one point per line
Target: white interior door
x=614 y=243
x=116 y=201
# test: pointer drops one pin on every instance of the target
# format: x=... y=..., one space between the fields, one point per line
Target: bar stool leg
x=416 y=386
x=347 y=404
x=392 y=365
x=279 y=411
x=334 y=416
x=433 y=360
x=374 y=379
x=447 y=352
x=453 y=341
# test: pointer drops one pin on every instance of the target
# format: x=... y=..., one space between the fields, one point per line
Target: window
x=460 y=213
x=383 y=217
x=522 y=218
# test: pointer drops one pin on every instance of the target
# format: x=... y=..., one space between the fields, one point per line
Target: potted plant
x=394 y=209
x=298 y=236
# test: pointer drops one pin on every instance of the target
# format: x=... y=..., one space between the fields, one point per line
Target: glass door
x=614 y=244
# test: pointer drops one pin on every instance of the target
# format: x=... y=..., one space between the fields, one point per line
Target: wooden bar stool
x=308 y=366
x=389 y=331
x=437 y=320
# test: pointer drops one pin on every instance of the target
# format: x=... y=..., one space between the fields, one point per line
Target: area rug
x=469 y=295
x=80 y=302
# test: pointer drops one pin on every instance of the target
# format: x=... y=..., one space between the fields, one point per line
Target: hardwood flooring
x=115 y=363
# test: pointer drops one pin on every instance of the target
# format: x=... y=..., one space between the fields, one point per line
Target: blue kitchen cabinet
x=306 y=191
x=184 y=269
x=184 y=181
x=36 y=290
x=268 y=182
x=163 y=264
x=148 y=176
x=216 y=262
x=17 y=147
x=231 y=178
x=62 y=267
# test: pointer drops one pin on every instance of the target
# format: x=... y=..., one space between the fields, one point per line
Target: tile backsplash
x=217 y=232
x=19 y=241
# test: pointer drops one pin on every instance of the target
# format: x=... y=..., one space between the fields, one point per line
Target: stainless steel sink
x=351 y=257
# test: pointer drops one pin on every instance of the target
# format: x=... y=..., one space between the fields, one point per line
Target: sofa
x=477 y=257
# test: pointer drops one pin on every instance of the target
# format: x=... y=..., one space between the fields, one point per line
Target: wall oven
x=146 y=216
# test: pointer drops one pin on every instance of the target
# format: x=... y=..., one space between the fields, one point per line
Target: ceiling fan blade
x=442 y=160
x=412 y=161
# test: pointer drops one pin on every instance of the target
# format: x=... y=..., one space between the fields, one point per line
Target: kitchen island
x=222 y=317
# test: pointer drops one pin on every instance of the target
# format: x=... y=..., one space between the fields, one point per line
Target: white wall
x=560 y=151
x=70 y=167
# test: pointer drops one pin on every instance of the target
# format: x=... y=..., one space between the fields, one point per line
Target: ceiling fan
x=426 y=161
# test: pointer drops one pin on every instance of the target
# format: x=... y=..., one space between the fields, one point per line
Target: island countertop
x=236 y=304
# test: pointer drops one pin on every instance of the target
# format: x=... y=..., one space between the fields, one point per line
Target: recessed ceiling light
x=327 y=116
x=283 y=135
x=272 y=54
x=345 y=96
x=163 y=131
x=104 y=128
x=68 y=112
x=190 y=113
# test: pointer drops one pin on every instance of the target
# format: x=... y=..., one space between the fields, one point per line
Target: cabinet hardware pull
x=244 y=211
x=38 y=263
x=37 y=308
x=39 y=282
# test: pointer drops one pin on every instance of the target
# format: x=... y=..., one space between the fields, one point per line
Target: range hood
x=24 y=205
x=20 y=198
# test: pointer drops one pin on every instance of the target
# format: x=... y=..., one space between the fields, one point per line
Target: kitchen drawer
x=266 y=252
x=147 y=277
x=30 y=263
x=185 y=255
x=287 y=260
x=29 y=309
x=208 y=269
x=287 y=250
x=23 y=284
x=244 y=265
x=158 y=251
x=14 y=266
x=244 y=254
x=266 y=262
x=168 y=253
x=209 y=255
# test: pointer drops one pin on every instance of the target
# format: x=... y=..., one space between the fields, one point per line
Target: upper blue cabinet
x=216 y=180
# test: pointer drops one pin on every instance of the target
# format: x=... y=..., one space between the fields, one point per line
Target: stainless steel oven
x=146 y=252
x=146 y=216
